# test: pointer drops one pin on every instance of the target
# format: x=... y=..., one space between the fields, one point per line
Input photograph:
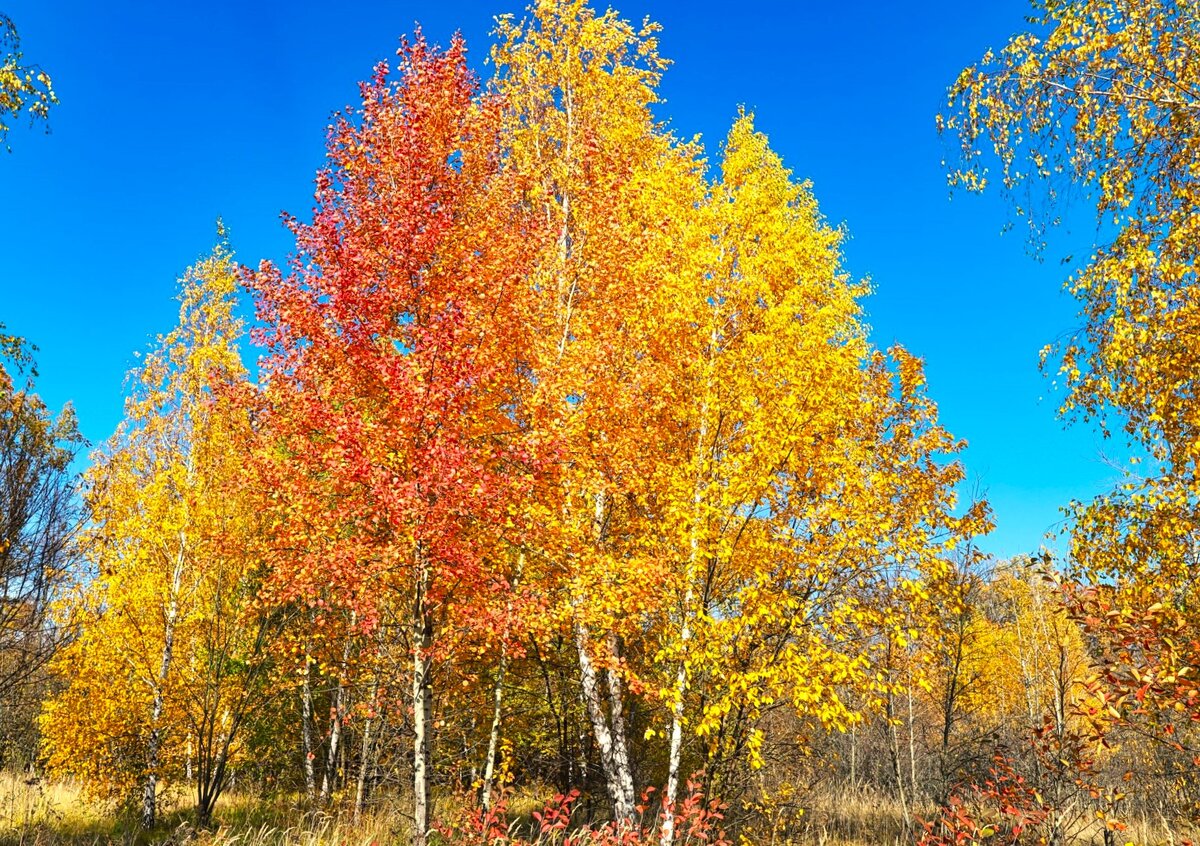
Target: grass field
x=38 y=813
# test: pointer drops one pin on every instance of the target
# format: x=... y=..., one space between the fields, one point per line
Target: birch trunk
x=617 y=776
x=336 y=718
x=422 y=694
x=609 y=727
x=912 y=744
x=621 y=766
x=364 y=764
x=685 y=625
x=676 y=747
x=154 y=742
x=897 y=772
x=306 y=730
x=335 y=737
x=150 y=787
x=489 y=767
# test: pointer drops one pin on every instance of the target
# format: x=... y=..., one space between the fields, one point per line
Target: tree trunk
x=614 y=752
x=621 y=766
x=897 y=772
x=489 y=767
x=210 y=789
x=685 y=621
x=150 y=787
x=674 y=755
x=335 y=737
x=853 y=756
x=306 y=731
x=154 y=741
x=422 y=693
x=912 y=743
x=950 y=706
x=337 y=716
x=364 y=765
x=617 y=777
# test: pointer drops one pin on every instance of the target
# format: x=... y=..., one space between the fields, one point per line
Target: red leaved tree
x=388 y=384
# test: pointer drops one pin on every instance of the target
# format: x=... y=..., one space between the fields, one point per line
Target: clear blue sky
x=175 y=113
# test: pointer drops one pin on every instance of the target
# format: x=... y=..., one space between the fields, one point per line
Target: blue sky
x=173 y=114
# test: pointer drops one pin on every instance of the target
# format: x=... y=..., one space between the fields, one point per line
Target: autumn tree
x=1102 y=98
x=701 y=365
x=618 y=196
x=388 y=383
x=814 y=514
x=605 y=190
x=38 y=518
x=168 y=659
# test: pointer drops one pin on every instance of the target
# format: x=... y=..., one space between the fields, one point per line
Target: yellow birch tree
x=168 y=657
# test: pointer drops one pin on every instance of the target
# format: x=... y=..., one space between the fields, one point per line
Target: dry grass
x=35 y=813
x=872 y=818
x=853 y=818
x=34 y=805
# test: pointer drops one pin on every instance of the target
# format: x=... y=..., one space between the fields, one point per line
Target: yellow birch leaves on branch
x=25 y=90
x=1101 y=98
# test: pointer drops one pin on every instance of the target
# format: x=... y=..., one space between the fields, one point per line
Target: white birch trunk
x=306 y=731
x=422 y=695
x=335 y=737
x=621 y=766
x=364 y=764
x=154 y=741
x=592 y=698
x=489 y=767
x=676 y=747
x=336 y=717
x=674 y=756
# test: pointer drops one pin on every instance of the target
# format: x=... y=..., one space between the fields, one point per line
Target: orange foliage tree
x=393 y=454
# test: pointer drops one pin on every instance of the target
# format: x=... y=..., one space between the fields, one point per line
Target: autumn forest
x=555 y=492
